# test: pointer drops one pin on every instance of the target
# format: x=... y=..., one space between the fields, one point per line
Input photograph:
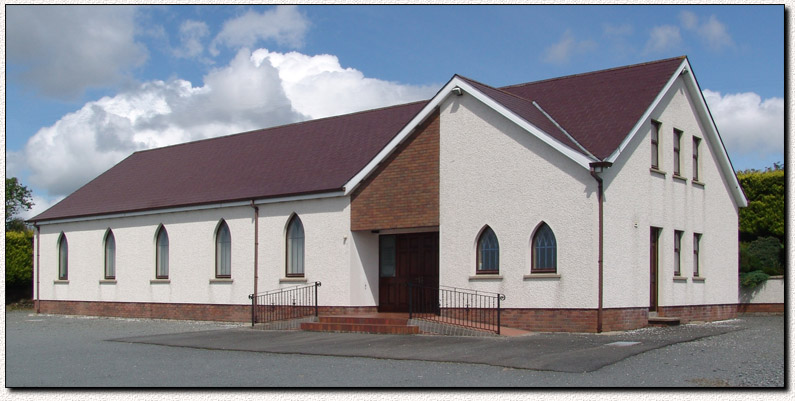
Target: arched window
x=161 y=253
x=223 y=251
x=295 y=247
x=488 y=252
x=110 y=255
x=63 y=258
x=545 y=250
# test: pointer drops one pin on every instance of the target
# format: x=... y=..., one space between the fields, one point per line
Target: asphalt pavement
x=77 y=351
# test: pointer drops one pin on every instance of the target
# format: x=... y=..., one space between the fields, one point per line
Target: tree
x=18 y=198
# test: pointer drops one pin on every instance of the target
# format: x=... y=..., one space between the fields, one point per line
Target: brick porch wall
x=404 y=191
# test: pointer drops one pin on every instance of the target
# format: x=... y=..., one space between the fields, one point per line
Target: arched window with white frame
x=295 y=247
x=161 y=253
x=223 y=251
x=63 y=257
x=110 y=255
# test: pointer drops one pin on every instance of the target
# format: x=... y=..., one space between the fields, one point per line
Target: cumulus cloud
x=283 y=24
x=253 y=91
x=49 y=46
x=688 y=19
x=191 y=35
x=568 y=46
x=749 y=126
x=663 y=38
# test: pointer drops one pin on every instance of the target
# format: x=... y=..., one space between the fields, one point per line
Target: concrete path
x=559 y=352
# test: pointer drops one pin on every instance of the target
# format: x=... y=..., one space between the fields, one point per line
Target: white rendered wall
x=637 y=199
x=492 y=172
x=328 y=258
x=769 y=292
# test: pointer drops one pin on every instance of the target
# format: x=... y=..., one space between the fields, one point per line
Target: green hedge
x=19 y=258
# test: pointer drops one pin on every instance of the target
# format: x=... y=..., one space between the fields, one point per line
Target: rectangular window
x=387 y=255
x=696 y=142
x=677 y=253
x=677 y=144
x=655 y=142
x=696 y=248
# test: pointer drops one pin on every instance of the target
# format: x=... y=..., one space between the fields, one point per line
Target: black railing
x=284 y=304
x=457 y=306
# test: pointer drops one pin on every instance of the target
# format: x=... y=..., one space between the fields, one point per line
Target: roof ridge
x=596 y=72
x=280 y=126
x=501 y=90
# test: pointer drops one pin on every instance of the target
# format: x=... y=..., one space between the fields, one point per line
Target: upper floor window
x=655 y=142
x=545 y=252
x=223 y=251
x=161 y=253
x=63 y=258
x=696 y=260
x=295 y=247
x=696 y=142
x=110 y=255
x=677 y=146
x=678 y=253
x=488 y=252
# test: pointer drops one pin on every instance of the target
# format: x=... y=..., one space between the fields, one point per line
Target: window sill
x=697 y=183
x=656 y=171
x=292 y=280
x=699 y=279
x=541 y=276
x=160 y=281
x=679 y=177
x=486 y=277
x=680 y=279
x=108 y=281
x=221 y=281
x=60 y=281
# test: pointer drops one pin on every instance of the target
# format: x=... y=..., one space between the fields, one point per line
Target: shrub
x=752 y=279
x=19 y=258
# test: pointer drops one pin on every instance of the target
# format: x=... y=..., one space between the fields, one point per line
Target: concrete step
x=663 y=321
x=370 y=328
x=392 y=321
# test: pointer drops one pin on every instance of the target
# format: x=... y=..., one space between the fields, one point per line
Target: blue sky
x=86 y=86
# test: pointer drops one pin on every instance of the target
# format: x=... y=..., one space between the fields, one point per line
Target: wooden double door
x=403 y=259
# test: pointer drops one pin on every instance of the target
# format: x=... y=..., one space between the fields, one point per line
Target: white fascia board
x=446 y=91
x=712 y=130
x=612 y=158
x=194 y=208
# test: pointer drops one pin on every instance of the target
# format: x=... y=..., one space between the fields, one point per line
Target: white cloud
x=253 y=91
x=749 y=126
x=663 y=38
x=191 y=34
x=283 y=24
x=714 y=33
x=688 y=19
x=51 y=46
x=617 y=30
x=562 y=51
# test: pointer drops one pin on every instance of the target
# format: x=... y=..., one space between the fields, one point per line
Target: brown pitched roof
x=309 y=157
x=598 y=109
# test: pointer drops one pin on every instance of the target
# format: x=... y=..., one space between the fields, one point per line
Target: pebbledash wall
x=332 y=257
x=637 y=198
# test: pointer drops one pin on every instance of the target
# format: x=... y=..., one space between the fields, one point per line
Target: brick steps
x=361 y=324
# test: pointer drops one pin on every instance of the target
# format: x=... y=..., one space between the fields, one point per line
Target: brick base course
x=549 y=320
x=761 y=309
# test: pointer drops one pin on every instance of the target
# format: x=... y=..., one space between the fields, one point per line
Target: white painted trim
x=194 y=208
x=446 y=91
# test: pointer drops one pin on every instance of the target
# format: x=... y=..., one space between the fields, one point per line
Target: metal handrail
x=457 y=306
x=284 y=303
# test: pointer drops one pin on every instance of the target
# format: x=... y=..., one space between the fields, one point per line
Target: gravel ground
x=57 y=351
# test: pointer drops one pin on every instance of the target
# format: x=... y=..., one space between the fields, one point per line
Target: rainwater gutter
x=596 y=169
